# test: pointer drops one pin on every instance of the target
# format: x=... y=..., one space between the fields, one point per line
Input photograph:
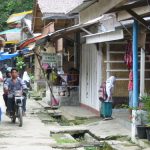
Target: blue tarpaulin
x=6 y=55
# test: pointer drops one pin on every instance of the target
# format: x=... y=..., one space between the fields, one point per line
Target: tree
x=9 y=7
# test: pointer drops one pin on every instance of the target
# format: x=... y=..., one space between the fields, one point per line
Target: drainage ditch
x=72 y=140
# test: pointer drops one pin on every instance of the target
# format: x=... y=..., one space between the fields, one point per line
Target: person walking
x=26 y=79
x=107 y=104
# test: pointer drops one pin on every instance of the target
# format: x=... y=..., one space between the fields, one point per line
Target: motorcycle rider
x=10 y=86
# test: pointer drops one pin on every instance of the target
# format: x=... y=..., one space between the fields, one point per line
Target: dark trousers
x=11 y=104
x=5 y=97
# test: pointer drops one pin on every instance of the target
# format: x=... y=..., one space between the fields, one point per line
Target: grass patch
x=63 y=139
x=105 y=146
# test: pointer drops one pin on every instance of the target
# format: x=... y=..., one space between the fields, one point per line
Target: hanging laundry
x=128 y=55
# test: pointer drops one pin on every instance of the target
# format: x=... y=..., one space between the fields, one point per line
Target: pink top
x=130 y=84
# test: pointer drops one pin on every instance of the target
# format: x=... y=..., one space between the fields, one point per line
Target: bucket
x=148 y=133
x=141 y=132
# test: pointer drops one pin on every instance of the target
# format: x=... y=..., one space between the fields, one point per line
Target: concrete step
x=69 y=129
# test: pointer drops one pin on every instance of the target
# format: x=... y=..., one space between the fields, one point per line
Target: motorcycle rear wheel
x=20 y=116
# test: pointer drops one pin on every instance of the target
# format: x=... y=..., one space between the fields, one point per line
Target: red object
x=128 y=55
x=102 y=92
x=32 y=40
x=130 y=84
x=54 y=102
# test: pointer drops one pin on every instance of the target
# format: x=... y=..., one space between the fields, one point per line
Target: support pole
x=108 y=59
x=142 y=41
x=75 y=51
x=135 y=77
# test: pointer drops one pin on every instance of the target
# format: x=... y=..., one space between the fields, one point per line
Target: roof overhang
x=18 y=16
x=82 y=6
x=48 y=16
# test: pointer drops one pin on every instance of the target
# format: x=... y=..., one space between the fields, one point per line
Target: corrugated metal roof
x=18 y=16
x=58 y=6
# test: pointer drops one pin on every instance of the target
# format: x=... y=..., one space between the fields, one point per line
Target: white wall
x=90 y=75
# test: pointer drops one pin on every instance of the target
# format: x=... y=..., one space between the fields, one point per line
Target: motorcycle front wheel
x=20 y=117
x=13 y=119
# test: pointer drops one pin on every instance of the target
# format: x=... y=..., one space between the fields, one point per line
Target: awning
x=6 y=55
x=35 y=40
x=18 y=16
x=12 y=35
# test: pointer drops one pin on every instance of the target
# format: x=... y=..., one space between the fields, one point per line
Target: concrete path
x=34 y=135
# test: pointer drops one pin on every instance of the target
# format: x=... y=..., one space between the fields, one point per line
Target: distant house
x=20 y=30
x=55 y=11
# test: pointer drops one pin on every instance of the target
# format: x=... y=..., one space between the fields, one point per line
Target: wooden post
x=108 y=59
x=37 y=69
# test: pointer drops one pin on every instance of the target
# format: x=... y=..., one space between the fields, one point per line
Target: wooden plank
x=101 y=6
x=123 y=70
x=138 y=18
x=104 y=37
x=123 y=15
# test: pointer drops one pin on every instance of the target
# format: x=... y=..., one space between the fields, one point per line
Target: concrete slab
x=68 y=129
x=108 y=129
x=123 y=145
x=76 y=112
x=46 y=106
x=56 y=112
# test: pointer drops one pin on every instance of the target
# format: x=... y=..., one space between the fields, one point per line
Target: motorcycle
x=18 y=108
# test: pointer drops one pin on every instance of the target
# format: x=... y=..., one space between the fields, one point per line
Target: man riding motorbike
x=10 y=86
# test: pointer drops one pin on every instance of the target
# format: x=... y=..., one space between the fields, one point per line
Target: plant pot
x=141 y=132
x=148 y=133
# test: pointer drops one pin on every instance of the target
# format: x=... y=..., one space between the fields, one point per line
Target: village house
x=108 y=27
x=100 y=51
x=48 y=18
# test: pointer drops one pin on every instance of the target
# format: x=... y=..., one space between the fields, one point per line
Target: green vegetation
x=104 y=146
x=9 y=7
x=31 y=77
x=20 y=64
x=62 y=139
x=146 y=101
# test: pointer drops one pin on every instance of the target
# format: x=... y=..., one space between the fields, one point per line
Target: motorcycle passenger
x=5 y=95
x=11 y=85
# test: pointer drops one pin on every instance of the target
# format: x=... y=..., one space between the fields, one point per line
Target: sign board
x=50 y=58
